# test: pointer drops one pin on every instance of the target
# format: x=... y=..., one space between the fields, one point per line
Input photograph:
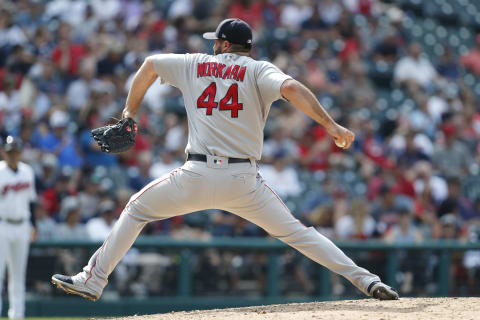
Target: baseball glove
x=118 y=137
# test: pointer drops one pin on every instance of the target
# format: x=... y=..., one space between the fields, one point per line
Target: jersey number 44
x=228 y=103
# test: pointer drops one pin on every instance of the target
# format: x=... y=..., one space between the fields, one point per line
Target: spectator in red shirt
x=67 y=55
x=314 y=149
x=249 y=11
x=471 y=60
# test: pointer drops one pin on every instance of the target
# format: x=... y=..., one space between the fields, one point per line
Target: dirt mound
x=367 y=309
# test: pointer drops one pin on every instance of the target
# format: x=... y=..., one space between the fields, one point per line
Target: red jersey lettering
x=200 y=70
x=234 y=72
x=227 y=73
x=213 y=67
x=220 y=70
x=208 y=70
x=241 y=74
x=15 y=187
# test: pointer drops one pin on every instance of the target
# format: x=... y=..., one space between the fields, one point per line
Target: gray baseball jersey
x=227 y=98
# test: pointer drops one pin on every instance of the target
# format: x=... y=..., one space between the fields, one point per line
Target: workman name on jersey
x=220 y=70
x=15 y=187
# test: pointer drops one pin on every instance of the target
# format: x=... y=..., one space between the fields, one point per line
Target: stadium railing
x=184 y=300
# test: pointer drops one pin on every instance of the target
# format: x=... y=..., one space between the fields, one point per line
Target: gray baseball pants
x=236 y=188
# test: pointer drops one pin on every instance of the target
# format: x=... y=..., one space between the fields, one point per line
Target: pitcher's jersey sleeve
x=170 y=67
x=269 y=81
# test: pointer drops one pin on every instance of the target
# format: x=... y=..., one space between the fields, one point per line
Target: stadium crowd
x=413 y=173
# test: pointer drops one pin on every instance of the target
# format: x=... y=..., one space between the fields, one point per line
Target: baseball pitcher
x=227 y=98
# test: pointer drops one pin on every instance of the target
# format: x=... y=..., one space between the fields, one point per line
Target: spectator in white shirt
x=358 y=224
x=71 y=229
x=46 y=226
x=415 y=71
x=79 y=91
x=164 y=165
x=99 y=228
x=283 y=178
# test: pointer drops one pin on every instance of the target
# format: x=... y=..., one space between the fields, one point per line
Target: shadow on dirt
x=335 y=306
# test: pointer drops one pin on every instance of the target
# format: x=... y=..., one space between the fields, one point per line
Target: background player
x=17 y=193
x=227 y=99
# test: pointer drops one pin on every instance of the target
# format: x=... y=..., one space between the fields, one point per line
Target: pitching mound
x=403 y=309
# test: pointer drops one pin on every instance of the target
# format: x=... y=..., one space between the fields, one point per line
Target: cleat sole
x=384 y=294
x=60 y=285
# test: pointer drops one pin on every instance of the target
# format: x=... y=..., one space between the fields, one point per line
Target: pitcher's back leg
x=175 y=194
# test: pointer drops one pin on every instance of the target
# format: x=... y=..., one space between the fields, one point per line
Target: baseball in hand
x=340 y=144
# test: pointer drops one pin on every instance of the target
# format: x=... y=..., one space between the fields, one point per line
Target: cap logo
x=249 y=41
x=223 y=35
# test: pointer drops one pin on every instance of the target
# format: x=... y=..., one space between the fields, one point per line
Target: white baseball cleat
x=67 y=284
x=381 y=291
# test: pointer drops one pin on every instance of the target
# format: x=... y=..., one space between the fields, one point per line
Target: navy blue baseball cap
x=233 y=30
x=12 y=144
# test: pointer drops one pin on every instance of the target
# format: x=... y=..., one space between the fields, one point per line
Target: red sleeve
x=56 y=55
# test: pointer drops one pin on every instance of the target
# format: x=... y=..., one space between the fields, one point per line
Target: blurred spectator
x=450 y=227
x=415 y=70
x=405 y=231
x=11 y=34
x=452 y=157
x=141 y=177
x=59 y=141
x=448 y=66
x=279 y=143
x=388 y=48
x=412 y=153
x=388 y=205
x=47 y=176
x=455 y=203
x=47 y=80
x=357 y=224
x=19 y=60
x=112 y=63
x=358 y=88
x=429 y=182
x=322 y=219
x=98 y=228
x=295 y=13
x=89 y=197
x=67 y=55
x=71 y=228
x=330 y=11
x=164 y=165
x=282 y=177
x=471 y=60
x=52 y=197
x=10 y=104
x=175 y=137
x=247 y=10
x=314 y=147
x=79 y=91
x=46 y=227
